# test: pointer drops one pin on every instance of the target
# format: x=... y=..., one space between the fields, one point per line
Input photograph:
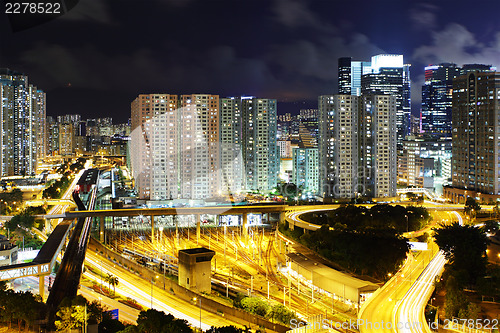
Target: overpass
x=196 y=211
x=429 y=194
x=60 y=202
x=44 y=262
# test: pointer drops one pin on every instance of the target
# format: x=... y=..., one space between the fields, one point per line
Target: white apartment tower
x=175 y=146
x=199 y=146
x=22 y=117
x=152 y=116
x=378 y=154
x=231 y=155
x=357 y=146
x=338 y=145
x=260 y=151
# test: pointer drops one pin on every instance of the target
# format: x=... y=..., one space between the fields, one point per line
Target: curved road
x=399 y=305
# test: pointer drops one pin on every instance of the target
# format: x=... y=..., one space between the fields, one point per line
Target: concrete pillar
x=101 y=229
x=281 y=218
x=152 y=229
x=198 y=229
x=41 y=286
x=244 y=225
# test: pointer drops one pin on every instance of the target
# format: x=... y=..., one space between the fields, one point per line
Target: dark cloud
x=455 y=43
x=424 y=16
x=284 y=49
x=87 y=10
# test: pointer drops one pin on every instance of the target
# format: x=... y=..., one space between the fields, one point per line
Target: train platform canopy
x=339 y=284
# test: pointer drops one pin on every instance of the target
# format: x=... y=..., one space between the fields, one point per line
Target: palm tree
x=112 y=280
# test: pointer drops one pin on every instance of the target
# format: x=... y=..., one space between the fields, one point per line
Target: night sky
x=97 y=58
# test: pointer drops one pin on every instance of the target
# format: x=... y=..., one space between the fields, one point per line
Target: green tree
x=71 y=313
x=225 y=329
x=471 y=206
x=70 y=317
x=109 y=325
x=496 y=210
x=465 y=249
x=255 y=305
x=112 y=281
x=130 y=329
x=281 y=314
x=24 y=220
x=455 y=300
x=153 y=321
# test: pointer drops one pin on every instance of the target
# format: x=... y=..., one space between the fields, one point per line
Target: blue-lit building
x=436 y=99
x=385 y=74
x=437 y=95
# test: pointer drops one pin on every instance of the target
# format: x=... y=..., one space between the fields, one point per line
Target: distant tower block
x=195 y=269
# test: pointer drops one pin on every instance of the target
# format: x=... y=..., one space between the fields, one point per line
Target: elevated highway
x=61 y=202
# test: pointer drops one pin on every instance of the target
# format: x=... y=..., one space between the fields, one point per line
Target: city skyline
x=286 y=50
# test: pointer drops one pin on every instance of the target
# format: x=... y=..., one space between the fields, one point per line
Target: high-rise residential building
x=285 y=148
x=52 y=135
x=199 y=144
x=377 y=145
x=437 y=94
x=22 y=113
x=231 y=137
x=66 y=139
x=425 y=162
x=74 y=119
x=149 y=113
x=305 y=172
x=475 y=135
x=338 y=147
x=308 y=114
x=260 y=151
x=175 y=146
x=285 y=117
x=249 y=145
x=357 y=146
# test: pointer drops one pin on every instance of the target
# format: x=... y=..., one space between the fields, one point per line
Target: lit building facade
x=357 y=146
x=285 y=148
x=66 y=139
x=199 y=146
x=149 y=113
x=260 y=150
x=305 y=172
x=476 y=135
x=338 y=145
x=231 y=155
x=385 y=74
x=436 y=99
x=22 y=113
x=377 y=145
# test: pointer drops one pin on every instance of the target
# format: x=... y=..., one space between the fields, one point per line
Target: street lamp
x=152 y=280
x=194 y=299
x=406 y=223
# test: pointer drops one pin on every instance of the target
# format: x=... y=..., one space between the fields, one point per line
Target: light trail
x=409 y=314
x=142 y=297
